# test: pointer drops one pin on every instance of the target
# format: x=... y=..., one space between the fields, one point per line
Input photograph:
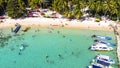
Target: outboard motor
x=93 y=36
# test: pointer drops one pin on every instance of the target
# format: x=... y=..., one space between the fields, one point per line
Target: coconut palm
x=98 y=6
x=34 y=3
x=91 y=6
x=1 y=2
x=15 y=8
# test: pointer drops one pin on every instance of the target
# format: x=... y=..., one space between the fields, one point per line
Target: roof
x=95 y=66
x=103 y=57
x=103 y=63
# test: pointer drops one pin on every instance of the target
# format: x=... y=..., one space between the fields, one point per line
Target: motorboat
x=18 y=26
x=102 y=37
x=105 y=42
x=106 y=59
x=95 y=66
x=101 y=46
x=101 y=61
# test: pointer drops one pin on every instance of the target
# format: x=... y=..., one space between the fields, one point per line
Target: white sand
x=57 y=22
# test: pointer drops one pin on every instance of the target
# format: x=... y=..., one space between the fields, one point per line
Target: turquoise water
x=50 y=48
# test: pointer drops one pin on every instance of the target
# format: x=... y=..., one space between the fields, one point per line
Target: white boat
x=101 y=61
x=98 y=66
x=101 y=46
x=105 y=58
x=95 y=66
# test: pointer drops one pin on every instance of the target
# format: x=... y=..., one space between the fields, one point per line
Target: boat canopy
x=95 y=66
x=103 y=63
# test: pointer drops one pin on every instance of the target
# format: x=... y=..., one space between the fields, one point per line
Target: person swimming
x=64 y=36
x=60 y=56
x=19 y=53
x=21 y=48
x=47 y=56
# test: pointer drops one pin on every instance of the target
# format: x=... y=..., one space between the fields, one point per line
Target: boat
x=102 y=37
x=95 y=66
x=105 y=42
x=18 y=26
x=100 y=46
x=101 y=61
x=106 y=59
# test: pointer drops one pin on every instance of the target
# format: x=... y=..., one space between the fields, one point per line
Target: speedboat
x=17 y=28
x=102 y=37
x=105 y=42
x=101 y=46
x=105 y=58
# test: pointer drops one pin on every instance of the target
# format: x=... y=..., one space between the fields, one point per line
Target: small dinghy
x=18 y=26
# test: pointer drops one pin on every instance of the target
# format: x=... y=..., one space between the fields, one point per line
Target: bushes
x=15 y=8
x=97 y=20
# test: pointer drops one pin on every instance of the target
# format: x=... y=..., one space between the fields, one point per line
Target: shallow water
x=50 y=48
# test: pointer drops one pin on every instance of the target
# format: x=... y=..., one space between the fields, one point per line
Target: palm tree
x=3 y=4
x=1 y=1
x=98 y=6
x=60 y=6
x=35 y=3
x=15 y=8
x=91 y=6
x=77 y=12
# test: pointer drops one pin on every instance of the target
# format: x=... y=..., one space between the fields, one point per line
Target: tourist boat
x=95 y=66
x=101 y=61
x=105 y=59
x=100 y=46
x=102 y=37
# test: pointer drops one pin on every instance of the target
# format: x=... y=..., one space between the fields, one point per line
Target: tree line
x=69 y=8
x=17 y=8
x=97 y=8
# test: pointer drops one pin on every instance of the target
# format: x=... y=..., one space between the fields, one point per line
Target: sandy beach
x=58 y=22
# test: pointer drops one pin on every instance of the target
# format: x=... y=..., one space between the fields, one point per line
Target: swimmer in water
x=21 y=48
x=19 y=53
x=47 y=56
x=60 y=56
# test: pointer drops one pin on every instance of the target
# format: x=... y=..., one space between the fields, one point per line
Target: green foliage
x=69 y=8
x=15 y=8
x=1 y=2
x=97 y=20
x=34 y=3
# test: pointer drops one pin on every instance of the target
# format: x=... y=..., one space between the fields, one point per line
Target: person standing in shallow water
x=60 y=56
x=20 y=53
x=47 y=56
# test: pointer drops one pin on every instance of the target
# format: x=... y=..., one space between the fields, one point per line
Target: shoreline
x=62 y=23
